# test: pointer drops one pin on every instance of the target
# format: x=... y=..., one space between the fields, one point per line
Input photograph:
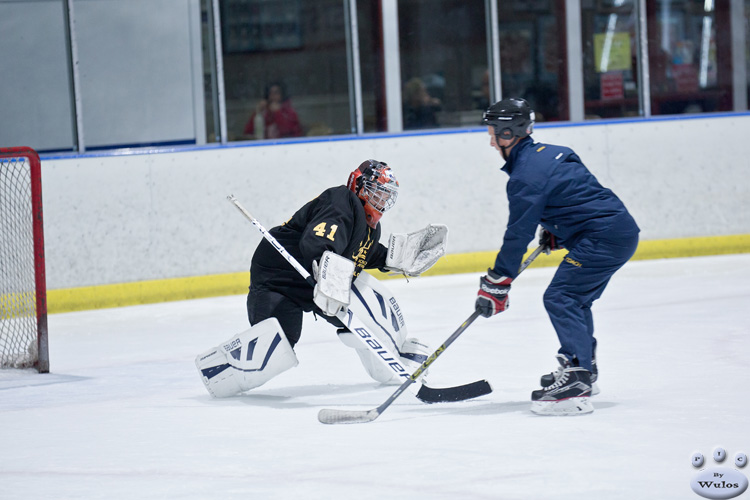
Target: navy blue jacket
x=549 y=185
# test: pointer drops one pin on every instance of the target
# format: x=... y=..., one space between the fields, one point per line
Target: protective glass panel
x=610 y=59
x=36 y=98
x=285 y=68
x=690 y=69
x=443 y=46
x=372 y=65
x=747 y=47
x=532 y=56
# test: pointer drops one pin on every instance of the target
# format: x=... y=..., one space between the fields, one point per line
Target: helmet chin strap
x=504 y=149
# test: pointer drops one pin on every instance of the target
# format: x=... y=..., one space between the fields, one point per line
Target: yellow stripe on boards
x=147 y=292
x=478 y=262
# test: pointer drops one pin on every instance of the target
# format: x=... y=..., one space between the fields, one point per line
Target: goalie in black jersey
x=334 y=237
x=342 y=219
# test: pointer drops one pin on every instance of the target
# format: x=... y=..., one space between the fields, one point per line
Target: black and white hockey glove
x=414 y=253
x=333 y=283
x=548 y=241
x=492 y=297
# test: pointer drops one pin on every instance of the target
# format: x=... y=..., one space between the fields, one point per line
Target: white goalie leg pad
x=377 y=308
x=412 y=354
x=348 y=339
x=333 y=282
x=376 y=370
x=414 y=253
x=247 y=360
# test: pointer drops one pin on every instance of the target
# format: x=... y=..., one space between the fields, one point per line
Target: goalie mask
x=374 y=183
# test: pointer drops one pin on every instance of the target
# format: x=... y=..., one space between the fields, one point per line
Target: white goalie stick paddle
x=332 y=416
x=425 y=394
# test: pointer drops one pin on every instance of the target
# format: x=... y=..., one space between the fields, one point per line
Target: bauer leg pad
x=412 y=354
x=247 y=360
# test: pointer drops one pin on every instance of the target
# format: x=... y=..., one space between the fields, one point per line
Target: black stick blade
x=452 y=394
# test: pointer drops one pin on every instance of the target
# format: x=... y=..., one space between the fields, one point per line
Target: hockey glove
x=414 y=253
x=333 y=277
x=548 y=241
x=492 y=297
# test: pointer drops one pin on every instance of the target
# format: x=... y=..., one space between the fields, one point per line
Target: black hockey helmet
x=510 y=118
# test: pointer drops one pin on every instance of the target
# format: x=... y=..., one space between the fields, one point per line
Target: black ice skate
x=570 y=394
x=550 y=378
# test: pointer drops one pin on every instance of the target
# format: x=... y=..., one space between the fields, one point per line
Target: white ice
x=123 y=415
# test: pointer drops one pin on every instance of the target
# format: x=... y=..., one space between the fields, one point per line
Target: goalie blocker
x=333 y=283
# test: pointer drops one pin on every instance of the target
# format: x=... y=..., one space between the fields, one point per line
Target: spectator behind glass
x=483 y=99
x=419 y=106
x=274 y=117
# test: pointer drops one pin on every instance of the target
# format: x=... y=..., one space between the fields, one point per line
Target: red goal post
x=23 y=289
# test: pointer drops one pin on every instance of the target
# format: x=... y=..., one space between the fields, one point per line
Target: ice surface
x=123 y=415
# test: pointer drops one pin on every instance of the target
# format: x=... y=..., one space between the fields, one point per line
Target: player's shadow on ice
x=295 y=396
x=497 y=408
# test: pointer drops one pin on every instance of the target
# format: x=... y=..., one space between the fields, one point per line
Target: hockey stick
x=425 y=393
x=330 y=416
x=273 y=241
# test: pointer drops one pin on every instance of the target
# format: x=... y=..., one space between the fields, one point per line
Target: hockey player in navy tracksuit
x=549 y=186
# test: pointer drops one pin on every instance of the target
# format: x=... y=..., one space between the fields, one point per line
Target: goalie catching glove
x=414 y=253
x=492 y=297
x=333 y=277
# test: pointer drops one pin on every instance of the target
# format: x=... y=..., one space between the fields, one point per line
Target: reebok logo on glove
x=492 y=297
x=492 y=290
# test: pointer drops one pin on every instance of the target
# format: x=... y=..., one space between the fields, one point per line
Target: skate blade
x=565 y=407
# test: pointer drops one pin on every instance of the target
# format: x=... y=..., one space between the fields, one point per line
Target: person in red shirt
x=274 y=117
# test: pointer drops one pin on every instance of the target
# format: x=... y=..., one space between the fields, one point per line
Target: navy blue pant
x=579 y=281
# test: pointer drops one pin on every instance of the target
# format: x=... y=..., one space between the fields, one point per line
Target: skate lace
x=560 y=379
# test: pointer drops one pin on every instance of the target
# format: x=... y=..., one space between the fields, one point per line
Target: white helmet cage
x=379 y=187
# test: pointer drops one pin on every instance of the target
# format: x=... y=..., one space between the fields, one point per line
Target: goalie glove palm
x=492 y=297
x=414 y=253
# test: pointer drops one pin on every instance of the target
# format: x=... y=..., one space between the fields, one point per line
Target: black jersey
x=335 y=221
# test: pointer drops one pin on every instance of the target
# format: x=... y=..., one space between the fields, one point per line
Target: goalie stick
x=425 y=393
x=332 y=416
